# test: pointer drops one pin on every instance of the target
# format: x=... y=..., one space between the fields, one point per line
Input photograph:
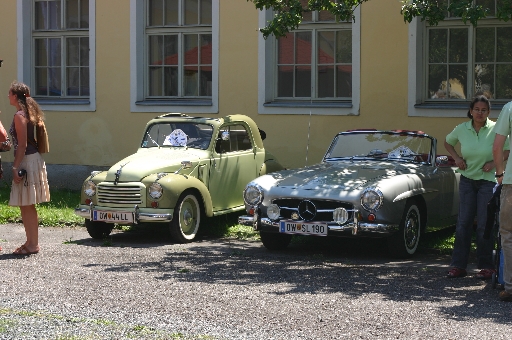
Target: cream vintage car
x=186 y=167
x=386 y=184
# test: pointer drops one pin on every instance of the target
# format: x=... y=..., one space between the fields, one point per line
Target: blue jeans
x=506 y=234
x=474 y=196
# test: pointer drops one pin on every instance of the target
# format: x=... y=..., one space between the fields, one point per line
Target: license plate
x=303 y=228
x=112 y=216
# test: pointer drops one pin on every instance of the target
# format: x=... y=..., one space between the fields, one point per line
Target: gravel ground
x=140 y=285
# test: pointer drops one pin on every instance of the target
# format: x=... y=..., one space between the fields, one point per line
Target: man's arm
x=497 y=153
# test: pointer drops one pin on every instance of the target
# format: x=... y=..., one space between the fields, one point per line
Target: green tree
x=289 y=13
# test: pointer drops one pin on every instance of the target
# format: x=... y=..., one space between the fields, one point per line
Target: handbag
x=41 y=143
x=5 y=146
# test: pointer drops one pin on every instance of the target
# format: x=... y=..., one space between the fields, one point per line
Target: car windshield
x=173 y=134
x=406 y=147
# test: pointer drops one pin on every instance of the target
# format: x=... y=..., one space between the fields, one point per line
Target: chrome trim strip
x=145 y=217
x=85 y=213
x=368 y=228
x=319 y=210
x=246 y=220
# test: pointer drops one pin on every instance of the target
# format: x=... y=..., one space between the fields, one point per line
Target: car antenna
x=309 y=129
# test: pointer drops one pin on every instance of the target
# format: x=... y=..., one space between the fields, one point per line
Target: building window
x=316 y=65
x=328 y=66
x=56 y=41
x=456 y=61
x=61 y=48
x=455 y=73
x=179 y=41
x=315 y=61
x=174 y=55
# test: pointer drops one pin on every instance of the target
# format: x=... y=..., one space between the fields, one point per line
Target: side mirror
x=184 y=165
x=441 y=160
x=262 y=134
x=224 y=135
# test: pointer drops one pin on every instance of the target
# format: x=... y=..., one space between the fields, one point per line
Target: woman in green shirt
x=476 y=167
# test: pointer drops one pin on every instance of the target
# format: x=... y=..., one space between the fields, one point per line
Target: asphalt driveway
x=140 y=285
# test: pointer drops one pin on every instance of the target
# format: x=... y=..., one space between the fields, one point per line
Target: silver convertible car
x=386 y=184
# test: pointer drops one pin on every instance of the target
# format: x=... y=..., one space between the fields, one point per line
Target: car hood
x=154 y=160
x=344 y=175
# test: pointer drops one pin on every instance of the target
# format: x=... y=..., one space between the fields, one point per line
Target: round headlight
x=90 y=188
x=340 y=215
x=253 y=195
x=273 y=212
x=155 y=190
x=371 y=199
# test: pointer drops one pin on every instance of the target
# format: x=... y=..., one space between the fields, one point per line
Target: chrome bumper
x=138 y=216
x=354 y=227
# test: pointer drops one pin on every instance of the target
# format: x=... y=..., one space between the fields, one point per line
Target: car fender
x=96 y=177
x=404 y=187
x=412 y=186
x=401 y=187
x=269 y=166
x=175 y=184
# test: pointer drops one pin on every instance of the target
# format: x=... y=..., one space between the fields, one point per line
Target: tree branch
x=288 y=14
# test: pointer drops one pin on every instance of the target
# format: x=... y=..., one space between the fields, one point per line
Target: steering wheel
x=377 y=153
x=199 y=143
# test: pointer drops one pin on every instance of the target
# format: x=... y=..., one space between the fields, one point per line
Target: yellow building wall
x=113 y=132
x=8 y=55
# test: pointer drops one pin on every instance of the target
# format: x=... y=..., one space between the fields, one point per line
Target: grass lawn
x=58 y=212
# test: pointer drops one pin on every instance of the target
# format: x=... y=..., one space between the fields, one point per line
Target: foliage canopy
x=289 y=13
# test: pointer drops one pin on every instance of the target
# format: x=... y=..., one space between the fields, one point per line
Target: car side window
x=237 y=139
x=243 y=142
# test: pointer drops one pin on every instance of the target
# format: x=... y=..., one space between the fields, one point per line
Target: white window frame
x=417 y=106
x=26 y=55
x=138 y=62
x=267 y=74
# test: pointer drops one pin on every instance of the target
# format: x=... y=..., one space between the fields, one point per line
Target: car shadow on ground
x=154 y=235
x=158 y=234
x=352 y=267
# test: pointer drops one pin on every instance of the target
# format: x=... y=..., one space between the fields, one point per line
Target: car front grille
x=120 y=195
x=322 y=209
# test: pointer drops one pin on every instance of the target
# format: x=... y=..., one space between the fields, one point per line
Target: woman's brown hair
x=26 y=102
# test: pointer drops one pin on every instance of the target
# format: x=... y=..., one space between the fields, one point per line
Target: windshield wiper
x=346 y=158
x=413 y=157
x=147 y=133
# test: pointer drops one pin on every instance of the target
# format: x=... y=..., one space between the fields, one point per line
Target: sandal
x=485 y=274
x=505 y=296
x=456 y=272
x=23 y=250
